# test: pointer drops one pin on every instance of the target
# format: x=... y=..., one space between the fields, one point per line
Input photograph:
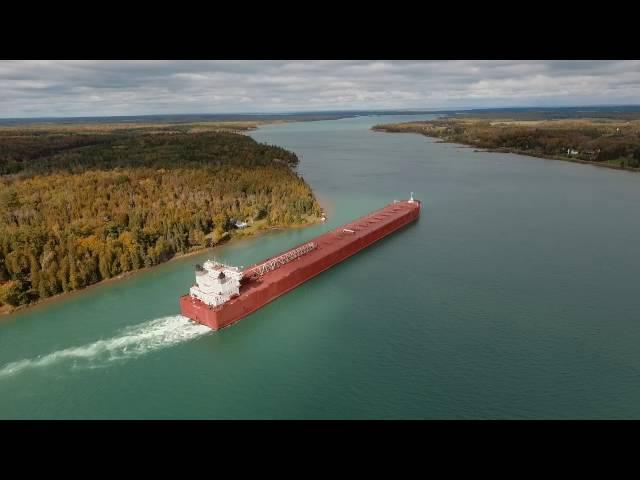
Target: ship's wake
x=130 y=342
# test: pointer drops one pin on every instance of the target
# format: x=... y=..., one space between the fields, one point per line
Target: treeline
x=93 y=211
x=587 y=140
x=78 y=152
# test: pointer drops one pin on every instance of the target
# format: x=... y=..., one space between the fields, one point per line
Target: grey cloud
x=68 y=88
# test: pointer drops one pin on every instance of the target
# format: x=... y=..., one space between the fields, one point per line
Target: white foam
x=129 y=343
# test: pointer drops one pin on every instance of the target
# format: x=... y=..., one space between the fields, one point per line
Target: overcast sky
x=87 y=88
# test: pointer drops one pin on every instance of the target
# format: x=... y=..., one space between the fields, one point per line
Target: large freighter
x=223 y=294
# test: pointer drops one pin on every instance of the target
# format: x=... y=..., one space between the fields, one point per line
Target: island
x=83 y=203
x=604 y=139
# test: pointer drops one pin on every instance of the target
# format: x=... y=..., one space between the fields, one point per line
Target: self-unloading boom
x=276 y=262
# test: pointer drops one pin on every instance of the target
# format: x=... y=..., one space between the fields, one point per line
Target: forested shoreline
x=83 y=205
x=613 y=143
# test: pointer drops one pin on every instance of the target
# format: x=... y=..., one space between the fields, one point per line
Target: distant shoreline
x=132 y=120
x=575 y=111
x=428 y=129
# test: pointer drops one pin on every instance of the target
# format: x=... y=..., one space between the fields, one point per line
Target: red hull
x=332 y=248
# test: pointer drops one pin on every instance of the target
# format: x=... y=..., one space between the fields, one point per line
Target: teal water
x=514 y=296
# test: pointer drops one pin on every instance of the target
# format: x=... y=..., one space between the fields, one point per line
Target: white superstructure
x=216 y=283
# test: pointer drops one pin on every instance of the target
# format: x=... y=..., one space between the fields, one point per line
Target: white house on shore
x=240 y=224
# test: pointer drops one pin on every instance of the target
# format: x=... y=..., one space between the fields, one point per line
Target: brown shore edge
x=516 y=152
x=7 y=314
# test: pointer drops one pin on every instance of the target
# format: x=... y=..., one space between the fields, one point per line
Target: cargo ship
x=223 y=294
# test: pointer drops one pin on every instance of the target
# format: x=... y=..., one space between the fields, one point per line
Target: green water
x=514 y=296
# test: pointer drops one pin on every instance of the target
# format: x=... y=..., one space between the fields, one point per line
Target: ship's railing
x=280 y=260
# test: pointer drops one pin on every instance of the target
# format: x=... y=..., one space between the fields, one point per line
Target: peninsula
x=82 y=203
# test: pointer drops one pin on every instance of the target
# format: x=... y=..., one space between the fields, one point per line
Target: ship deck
x=328 y=243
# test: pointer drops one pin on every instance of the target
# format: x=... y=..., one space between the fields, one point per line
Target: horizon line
x=308 y=112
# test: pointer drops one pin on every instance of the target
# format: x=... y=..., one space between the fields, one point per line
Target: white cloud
x=82 y=88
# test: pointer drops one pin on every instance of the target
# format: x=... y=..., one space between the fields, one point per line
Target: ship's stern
x=198 y=311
